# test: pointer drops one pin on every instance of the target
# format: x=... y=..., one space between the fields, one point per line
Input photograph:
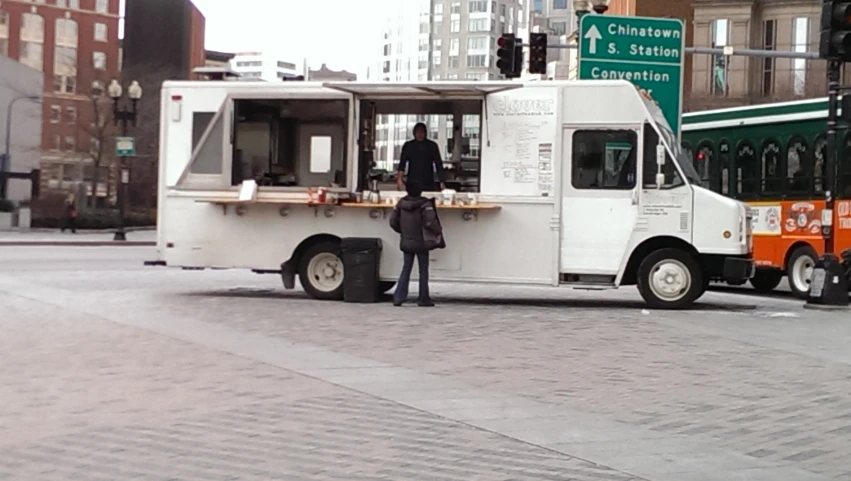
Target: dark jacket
x=415 y=218
x=422 y=160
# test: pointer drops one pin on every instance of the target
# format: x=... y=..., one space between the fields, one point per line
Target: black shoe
x=428 y=303
x=397 y=304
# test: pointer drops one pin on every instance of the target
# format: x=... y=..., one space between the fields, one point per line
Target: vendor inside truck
x=421 y=156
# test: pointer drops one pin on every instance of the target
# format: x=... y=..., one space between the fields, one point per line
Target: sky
x=344 y=34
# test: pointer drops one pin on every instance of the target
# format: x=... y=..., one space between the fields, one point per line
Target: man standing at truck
x=421 y=158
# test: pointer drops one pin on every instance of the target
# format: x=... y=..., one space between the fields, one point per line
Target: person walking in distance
x=421 y=158
x=415 y=220
x=70 y=220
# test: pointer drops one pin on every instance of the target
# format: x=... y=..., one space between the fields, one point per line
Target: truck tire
x=799 y=270
x=670 y=279
x=766 y=280
x=320 y=271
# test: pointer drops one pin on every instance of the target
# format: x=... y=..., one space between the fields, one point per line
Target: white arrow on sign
x=593 y=34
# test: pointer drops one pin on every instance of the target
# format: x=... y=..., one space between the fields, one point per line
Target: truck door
x=599 y=198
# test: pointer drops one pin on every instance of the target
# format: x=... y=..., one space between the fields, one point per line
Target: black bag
x=434 y=241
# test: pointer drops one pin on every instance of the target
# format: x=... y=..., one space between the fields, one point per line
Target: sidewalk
x=55 y=238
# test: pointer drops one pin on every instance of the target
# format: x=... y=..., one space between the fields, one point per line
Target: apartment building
x=75 y=44
x=440 y=40
x=267 y=66
x=788 y=25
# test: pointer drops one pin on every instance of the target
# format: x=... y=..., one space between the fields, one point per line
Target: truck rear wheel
x=670 y=279
x=766 y=280
x=799 y=270
x=320 y=271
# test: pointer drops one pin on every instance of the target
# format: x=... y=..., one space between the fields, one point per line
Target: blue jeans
x=401 y=294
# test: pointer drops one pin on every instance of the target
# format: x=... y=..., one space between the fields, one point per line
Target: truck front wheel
x=670 y=279
x=320 y=271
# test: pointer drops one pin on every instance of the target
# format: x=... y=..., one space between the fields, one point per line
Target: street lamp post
x=123 y=116
x=5 y=160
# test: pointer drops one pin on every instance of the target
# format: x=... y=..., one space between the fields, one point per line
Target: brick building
x=74 y=43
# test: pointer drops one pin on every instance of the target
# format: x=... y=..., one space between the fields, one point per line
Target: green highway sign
x=646 y=51
x=125 y=146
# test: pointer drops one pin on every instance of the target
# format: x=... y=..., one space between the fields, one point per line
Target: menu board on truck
x=519 y=138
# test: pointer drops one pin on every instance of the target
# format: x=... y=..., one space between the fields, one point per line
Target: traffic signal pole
x=829 y=285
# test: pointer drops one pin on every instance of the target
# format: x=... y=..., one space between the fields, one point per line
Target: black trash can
x=361 y=263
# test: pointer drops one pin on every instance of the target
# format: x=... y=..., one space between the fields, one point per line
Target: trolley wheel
x=320 y=271
x=670 y=279
x=766 y=280
x=799 y=270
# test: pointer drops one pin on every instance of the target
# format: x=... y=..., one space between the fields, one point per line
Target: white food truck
x=579 y=184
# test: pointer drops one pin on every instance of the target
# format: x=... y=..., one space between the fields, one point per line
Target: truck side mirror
x=661 y=155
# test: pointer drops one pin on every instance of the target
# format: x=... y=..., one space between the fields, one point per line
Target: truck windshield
x=670 y=141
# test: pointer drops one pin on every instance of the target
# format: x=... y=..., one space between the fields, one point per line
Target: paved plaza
x=115 y=371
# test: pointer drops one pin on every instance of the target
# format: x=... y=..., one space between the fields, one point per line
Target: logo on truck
x=503 y=106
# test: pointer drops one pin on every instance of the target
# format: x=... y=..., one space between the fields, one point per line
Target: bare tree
x=99 y=130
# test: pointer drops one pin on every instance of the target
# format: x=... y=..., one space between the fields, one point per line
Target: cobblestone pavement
x=115 y=371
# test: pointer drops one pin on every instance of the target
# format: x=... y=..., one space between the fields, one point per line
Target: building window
x=559 y=28
x=436 y=60
x=55 y=114
x=61 y=3
x=436 y=28
x=476 y=6
x=769 y=43
x=286 y=65
x=436 y=45
x=720 y=39
x=100 y=32
x=454 y=62
x=70 y=143
x=71 y=114
x=476 y=76
x=57 y=142
x=800 y=37
x=477 y=43
x=102 y=6
x=387 y=49
x=4 y=18
x=477 y=60
x=538 y=6
x=455 y=26
x=74 y=4
x=559 y=4
x=454 y=46
x=455 y=8
x=478 y=25
x=99 y=59
x=438 y=9
x=64 y=84
x=71 y=172
x=32 y=41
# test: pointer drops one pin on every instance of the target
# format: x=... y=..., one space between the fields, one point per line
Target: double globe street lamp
x=581 y=7
x=123 y=116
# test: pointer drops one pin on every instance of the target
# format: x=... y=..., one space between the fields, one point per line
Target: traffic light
x=506 y=55
x=538 y=53
x=835 y=31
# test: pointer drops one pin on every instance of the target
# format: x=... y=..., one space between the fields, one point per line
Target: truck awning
x=423 y=89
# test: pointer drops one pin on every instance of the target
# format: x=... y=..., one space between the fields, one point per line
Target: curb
x=77 y=244
x=817 y=307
